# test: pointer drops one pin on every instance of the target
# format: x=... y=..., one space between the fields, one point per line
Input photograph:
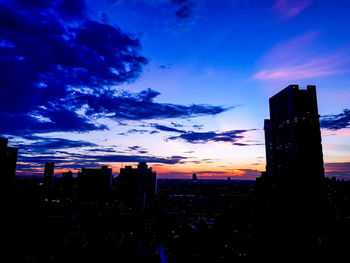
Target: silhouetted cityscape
x=292 y=210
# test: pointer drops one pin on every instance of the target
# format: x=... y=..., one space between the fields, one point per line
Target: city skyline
x=182 y=85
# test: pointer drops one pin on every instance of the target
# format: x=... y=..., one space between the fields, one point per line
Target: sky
x=181 y=84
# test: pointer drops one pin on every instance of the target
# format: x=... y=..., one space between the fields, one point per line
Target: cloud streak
x=43 y=145
x=140 y=106
x=297 y=59
x=316 y=67
x=337 y=121
x=183 y=8
x=203 y=137
x=166 y=128
x=288 y=9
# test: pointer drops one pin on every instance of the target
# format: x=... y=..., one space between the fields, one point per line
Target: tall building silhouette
x=94 y=183
x=138 y=185
x=8 y=161
x=67 y=181
x=48 y=172
x=290 y=198
x=293 y=137
x=194 y=177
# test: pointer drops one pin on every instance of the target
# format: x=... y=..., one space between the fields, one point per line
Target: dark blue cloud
x=50 y=49
x=138 y=149
x=204 y=137
x=199 y=127
x=183 y=8
x=337 y=121
x=166 y=128
x=57 y=66
x=177 y=125
x=43 y=145
x=168 y=66
x=80 y=160
x=183 y=12
x=58 y=119
x=133 y=131
x=105 y=150
x=135 y=148
x=71 y=7
x=76 y=7
x=140 y=106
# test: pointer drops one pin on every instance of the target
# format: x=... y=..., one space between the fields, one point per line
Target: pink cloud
x=301 y=58
x=289 y=8
x=330 y=65
x=342 y=132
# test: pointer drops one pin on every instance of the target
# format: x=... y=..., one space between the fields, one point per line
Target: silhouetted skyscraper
x=94 y=183
x=290 y=195
x=138 y=186
x=67 y=180
x=8 y=161
x=67 y=176
x=293 y=137
x=48 y=172
x=194 y=177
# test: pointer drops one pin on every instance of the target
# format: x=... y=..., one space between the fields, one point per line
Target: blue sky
x=181 y=84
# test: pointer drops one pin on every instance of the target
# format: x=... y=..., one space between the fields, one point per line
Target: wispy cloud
x=318 y=67
x=288 y=9
x=297 y=58
x=166 y=128
x=138 y=149
x=203 y=137
x=336 y=121
x=139 y=106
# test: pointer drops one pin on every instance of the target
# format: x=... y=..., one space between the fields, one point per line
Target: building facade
x=293 y=136
x=8 y=162
x=49 y=172
x=138 y=185
x=94 y=183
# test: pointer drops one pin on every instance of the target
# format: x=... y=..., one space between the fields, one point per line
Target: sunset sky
x=181 y=84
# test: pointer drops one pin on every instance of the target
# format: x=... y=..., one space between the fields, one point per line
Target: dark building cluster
x=292 y=210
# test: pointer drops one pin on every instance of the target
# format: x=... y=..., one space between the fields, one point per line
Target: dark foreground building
x=138 y=186
x=94 y=183
x=8 y=161
x=49 y=172
x=291 y=194
x=293 y=136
